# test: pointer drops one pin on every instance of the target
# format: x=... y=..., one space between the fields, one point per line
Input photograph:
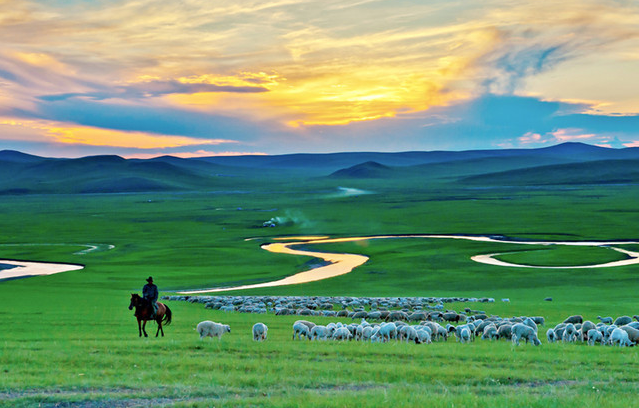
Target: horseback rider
x=150 y=293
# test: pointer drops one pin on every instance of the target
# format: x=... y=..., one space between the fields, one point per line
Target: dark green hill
x=592 y=172
x=367 y=170
x=97 y=174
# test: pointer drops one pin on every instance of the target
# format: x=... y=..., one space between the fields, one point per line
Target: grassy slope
x=72 y=332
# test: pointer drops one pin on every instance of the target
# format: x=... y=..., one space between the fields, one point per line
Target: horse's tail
x=167 y=316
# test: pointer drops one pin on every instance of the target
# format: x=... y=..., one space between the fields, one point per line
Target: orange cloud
x=58 y=132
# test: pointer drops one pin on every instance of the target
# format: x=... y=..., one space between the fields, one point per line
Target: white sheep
x=259 y=331
x=594 y=336
x=490 y=332
x=300 y=329
x=464 y=334
x=409 y=333
x=550 y=335
x=320 y=332
x=522 y=331
x=531 y=323
x=342 y=333
x=570 y=333
x=620 y=337
x=423 y=337
x=387 y=331
x=367 y=333
x=212 y=329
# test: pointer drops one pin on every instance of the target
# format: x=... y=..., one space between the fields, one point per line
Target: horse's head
x=135 y=301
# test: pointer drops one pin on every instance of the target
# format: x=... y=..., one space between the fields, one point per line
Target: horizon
x=313 y=153
x=150 y=78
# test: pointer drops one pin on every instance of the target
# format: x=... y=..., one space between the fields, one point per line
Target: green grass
x=70 y=339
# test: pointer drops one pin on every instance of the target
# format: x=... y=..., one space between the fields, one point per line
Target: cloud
x=154 y=89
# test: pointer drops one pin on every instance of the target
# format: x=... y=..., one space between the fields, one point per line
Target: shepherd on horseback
x=150 y=294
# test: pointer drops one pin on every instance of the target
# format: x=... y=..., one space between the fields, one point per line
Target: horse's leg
x=139 y=327
x=159 y=328
x=144 y=329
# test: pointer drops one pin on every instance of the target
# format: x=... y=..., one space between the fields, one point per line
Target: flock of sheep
x=425 y=323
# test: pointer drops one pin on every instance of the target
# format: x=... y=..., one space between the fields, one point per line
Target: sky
x=192 y=78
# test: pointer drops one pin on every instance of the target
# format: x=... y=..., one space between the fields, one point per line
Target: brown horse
x=143 y=314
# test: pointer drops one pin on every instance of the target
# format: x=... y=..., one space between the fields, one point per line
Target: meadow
x=69 y=339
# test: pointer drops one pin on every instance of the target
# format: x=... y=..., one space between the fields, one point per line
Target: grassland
x=69 y=340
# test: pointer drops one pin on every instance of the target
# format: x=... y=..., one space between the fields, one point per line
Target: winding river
x=340 y=264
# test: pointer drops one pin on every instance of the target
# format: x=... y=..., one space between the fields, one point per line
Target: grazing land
x=69 y=340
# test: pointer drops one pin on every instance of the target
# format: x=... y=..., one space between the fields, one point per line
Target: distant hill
x=97 y=174
x=369 y=169
x=331 y=162
x=568 y=163
x=591 y=172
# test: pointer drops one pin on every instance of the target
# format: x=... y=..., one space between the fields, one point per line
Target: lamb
x=259 y=331
x=539 y=320
x=620 y=337
x=594 y=336
x=605 y=320
x=212 y=329
x=300 y=329
x=522 y=331
x=574 y=319
x=622 y=320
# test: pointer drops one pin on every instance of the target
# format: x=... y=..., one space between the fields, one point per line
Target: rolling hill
x=568 y=163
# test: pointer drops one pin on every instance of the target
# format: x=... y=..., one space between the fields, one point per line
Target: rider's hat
x=149 y=279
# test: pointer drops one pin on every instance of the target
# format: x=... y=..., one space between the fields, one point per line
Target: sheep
x=464 y=335
x=387 y=331
x=342 y=334
x=594 y=336
x=633 y=334
x=423 y=337
x=574 y=319
x=320 y=332
x=550 y=335
x=367 y=333
x=569 y=334
x=539 y=320
x=619 y=336
x=212 y=329
x=636 y=317
x=585 y=329
x=490 y=332
x=522 y=331
x=259 y=331
x=396 y=316
x=300 y=329
x=409 y=333
x=306 y=323
x=530 y=323
x=605 y=320
x=504 y=331
x=622 y=320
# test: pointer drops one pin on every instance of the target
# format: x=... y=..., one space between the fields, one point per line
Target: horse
x=143 y=313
